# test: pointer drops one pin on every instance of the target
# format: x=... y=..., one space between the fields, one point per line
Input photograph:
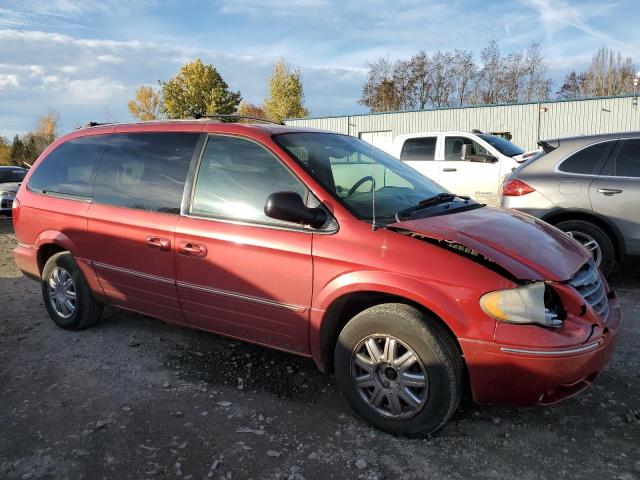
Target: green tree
x=16 y=156
x=198 y=89
x=147 y=104
x=286 y=95
x=5 y=151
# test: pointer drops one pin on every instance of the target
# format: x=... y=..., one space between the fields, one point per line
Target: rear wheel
x=66 y=294
x=594 y=239
x=399 y=369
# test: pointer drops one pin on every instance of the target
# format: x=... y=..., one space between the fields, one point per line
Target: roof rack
x=238 y=117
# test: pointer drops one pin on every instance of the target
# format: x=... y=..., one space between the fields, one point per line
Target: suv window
x=70 y=168
x=453 y=148
x=628 y=159
x=145 y=171
x=418 y=149
x=586 y=161
x=235 y=178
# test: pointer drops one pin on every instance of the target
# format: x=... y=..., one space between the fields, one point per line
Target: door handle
x=609 y=191
x=191 y=249
x=162 y=244
x=449 y=169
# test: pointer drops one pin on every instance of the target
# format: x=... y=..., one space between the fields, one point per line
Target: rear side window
x=628 y=159
x=235 y=178
x=145 y=171
x=586 y=161
x=418 y=149
x=70 y=168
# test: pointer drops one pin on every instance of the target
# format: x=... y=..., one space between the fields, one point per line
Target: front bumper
x=518 y=375
x=6 y=204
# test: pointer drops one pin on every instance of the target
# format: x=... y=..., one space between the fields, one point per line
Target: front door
x=239 y=272
x=616 y=193
x=136 y=202
x=476 y=179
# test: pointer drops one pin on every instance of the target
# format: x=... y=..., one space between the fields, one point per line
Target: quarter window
x=235 y=178
x=586 y=161
x=145 y=171
x=628 y=159
x=70 y=168
x=418 y=149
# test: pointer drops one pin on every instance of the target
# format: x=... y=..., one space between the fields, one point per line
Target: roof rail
x=238 y=117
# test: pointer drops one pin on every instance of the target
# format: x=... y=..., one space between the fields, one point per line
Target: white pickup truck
x=465 y=163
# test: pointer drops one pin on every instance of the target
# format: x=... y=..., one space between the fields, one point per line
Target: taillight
x=516 y=188
x=15 y=210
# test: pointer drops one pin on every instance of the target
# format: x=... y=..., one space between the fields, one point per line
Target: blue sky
x=85 y=59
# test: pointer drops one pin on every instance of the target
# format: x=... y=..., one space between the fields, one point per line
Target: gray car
x=587 y=186
x=10 y=179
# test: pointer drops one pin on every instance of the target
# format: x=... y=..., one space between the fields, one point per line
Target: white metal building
x=527 y=122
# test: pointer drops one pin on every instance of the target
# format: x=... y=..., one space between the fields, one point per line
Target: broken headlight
x=529 y=304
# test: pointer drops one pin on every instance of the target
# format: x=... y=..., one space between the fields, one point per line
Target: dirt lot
x=135 y=398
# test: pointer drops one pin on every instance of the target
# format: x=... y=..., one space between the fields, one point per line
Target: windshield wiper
x=428 y=202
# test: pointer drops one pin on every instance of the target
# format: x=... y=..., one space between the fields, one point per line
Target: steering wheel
x=368 y=178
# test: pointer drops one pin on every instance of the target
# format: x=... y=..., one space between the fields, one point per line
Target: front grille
x=589 y=285
x=6 y=203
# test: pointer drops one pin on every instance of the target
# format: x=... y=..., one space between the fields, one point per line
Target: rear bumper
x=518 y=375
x=26 y=260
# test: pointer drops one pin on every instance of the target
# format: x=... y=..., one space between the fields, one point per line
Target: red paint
x=273 y=286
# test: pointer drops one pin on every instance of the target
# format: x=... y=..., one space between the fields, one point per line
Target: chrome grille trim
x=588 y=284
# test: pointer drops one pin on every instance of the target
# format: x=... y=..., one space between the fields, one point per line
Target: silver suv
x=587 y=186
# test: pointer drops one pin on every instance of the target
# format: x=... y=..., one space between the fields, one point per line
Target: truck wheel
x=399 y=369
x=594 y=239
x=66 y=294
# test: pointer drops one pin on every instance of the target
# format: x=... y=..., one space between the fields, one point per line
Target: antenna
x=373 y=193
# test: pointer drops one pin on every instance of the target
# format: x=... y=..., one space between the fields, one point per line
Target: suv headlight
x=522 y=305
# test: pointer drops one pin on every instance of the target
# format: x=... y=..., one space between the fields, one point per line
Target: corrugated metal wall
x=527 y=122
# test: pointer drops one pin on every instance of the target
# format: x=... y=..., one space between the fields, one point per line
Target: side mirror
x=483 y=158
x=289 y=207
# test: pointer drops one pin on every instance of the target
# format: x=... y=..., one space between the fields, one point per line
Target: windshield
x=504 y=146
x=355 y=172
x=7 y=176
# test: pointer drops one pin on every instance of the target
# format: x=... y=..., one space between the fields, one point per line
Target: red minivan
x=321 y=245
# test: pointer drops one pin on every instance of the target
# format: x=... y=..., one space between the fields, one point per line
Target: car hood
x=9 y=186
x=525 y=246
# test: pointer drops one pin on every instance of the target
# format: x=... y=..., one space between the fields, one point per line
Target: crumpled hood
x=9 y=186
x=525 y=246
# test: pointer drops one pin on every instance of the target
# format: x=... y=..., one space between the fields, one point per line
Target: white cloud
x=8 y=81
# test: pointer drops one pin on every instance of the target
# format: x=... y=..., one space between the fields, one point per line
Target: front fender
x=456 y=305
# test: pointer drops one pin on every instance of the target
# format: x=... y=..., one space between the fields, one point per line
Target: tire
x=60 y=268
x=439 y=361
x=605 y=257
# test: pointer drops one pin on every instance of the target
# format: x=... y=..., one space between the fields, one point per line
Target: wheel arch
x=345 y=306
x=49 y=243
x=610 y=229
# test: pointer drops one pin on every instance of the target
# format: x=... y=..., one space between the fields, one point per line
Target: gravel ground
x=135 y=398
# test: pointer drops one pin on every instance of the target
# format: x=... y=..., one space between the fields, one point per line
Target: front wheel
x=399 y=369
x=66 y=294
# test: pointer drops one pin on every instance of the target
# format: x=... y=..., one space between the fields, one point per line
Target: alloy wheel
x=62 y=292
x=589 y=243
x=389 y=376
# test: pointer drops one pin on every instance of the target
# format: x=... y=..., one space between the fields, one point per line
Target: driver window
x=453 y=148
x=235 y=178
